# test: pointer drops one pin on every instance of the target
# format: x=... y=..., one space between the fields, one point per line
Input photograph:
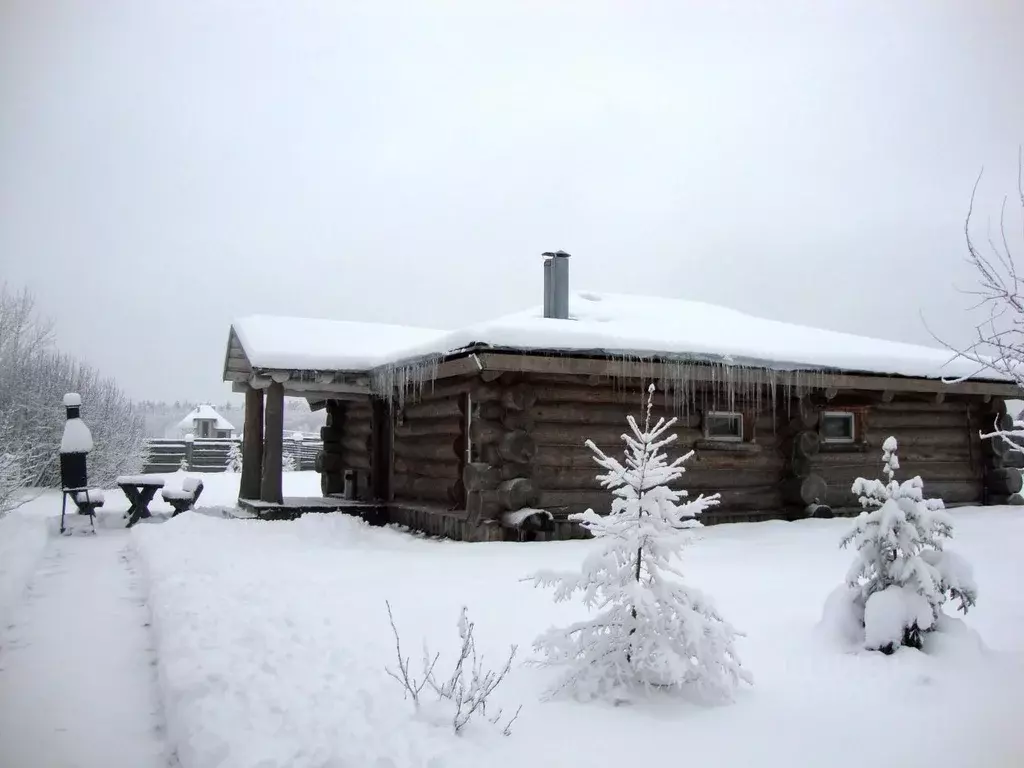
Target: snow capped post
x=556 y=285
x=75 y=444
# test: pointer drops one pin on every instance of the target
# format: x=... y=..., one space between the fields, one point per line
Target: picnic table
x=140 y=490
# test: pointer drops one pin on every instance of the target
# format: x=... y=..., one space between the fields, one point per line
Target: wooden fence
x=210 y=454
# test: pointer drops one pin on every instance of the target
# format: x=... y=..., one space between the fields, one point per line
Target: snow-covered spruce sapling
x=234 y=460
x=650 y=630
x=288 y=463
x=463 y=694
x=902 y=575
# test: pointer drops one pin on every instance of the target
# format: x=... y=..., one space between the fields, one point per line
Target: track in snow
x=77 y=682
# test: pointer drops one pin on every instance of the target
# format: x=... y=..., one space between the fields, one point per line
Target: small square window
x=836 y=427
x=723 y=426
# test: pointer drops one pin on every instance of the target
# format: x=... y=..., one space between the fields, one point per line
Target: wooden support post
x=252 y=446
x=273 y=445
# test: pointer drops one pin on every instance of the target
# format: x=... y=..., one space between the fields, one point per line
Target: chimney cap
x=552 y=254
x=72 y=400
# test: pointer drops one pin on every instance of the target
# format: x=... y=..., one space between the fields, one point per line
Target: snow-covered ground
x=271 y=640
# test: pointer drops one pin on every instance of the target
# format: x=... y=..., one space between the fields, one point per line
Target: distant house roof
x=205 y=412
x=600 y=323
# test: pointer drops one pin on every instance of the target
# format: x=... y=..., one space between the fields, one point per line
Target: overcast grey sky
x=167 y=166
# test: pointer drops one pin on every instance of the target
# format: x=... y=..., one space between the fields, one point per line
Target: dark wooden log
x=433 y=409
x=491 y=411
x=519 y=397
x=805 y=490
x=803 y=444
x=251 y=481
x=579 y=413
x=517 y=447
x=575 y=501
x=483 y=505
x=273 y=438
x=331 y=462
x=845 y=474
x=605 y=436
x=481 y=477
x=331 y=483
x=352 y=460
x=511 y=469
x=1014 y=500
x=1013 y=459
x=562 y=478
x=518 y=420
x=517 y=493
x=318 y=462
x=448 y=470
x=482 y=431
x=431 y=488
x=356 y=444
x=802 y=412
x=724 y=446
x=1003 y=481
x=433 y=449
x=489 y=454
x=448 y=427
x=900 y=420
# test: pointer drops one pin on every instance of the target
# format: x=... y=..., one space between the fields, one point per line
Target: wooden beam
x=497 y=361
x=316 y=405
x=252 y=446
x=327 y=391
x=273 y=438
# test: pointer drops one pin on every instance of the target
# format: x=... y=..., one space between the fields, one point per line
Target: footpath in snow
x=77 y=684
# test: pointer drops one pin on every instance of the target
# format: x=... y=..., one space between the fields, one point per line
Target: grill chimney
x=556 y=285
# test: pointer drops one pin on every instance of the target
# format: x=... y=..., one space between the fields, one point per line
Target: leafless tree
x=998 y=344
x=34 y=376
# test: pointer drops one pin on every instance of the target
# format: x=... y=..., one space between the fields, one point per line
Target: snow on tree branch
x=902 y=575
x=647 y=629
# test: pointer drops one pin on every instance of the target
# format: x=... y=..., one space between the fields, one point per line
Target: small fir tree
x=902 y=575
x=288 y=463
x=234 y=462
x=650 y=630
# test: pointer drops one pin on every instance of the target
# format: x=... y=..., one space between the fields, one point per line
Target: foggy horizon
x=169 y=168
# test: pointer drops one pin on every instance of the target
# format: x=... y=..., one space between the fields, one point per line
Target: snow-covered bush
x=902 y=575
x=234 y=462
x=463 y=694
x=183 y=464
x=650 y=629
x=288 y=463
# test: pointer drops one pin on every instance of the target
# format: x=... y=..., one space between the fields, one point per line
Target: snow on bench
x=89 y=497
x=140 y=480
x=182 y=499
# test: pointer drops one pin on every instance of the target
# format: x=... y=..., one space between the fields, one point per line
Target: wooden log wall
x=1000 y=463
x=347 y=446
x=567 y=412
x=429 y=447
x=802 y=487
x=936 y=440
x=503 y=448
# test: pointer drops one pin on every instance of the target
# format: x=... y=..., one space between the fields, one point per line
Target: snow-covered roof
x=205 y=412
x=333 y=345
x=599 y=323
x=652 y=326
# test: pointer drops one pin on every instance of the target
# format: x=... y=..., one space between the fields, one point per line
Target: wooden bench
x=184 y=499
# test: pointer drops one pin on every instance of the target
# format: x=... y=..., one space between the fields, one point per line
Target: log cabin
x=478 y=434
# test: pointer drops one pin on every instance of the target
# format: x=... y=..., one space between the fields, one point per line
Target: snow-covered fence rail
x=208 y=454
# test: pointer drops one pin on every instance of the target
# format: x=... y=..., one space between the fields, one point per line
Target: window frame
x=847 y=415
x=735 y=415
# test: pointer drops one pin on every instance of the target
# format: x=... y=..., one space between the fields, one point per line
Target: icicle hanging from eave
x=398 y=383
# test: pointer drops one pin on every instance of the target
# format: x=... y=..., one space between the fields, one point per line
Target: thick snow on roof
x=644 y=325
x=205 y=412
x=331 y=345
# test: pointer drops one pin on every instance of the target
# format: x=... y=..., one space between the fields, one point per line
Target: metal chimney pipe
x=547 y=287
x=559 y=261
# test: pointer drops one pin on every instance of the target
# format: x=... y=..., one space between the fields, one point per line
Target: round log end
x=805 y=491
x=481 y=477
x=517 y=493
